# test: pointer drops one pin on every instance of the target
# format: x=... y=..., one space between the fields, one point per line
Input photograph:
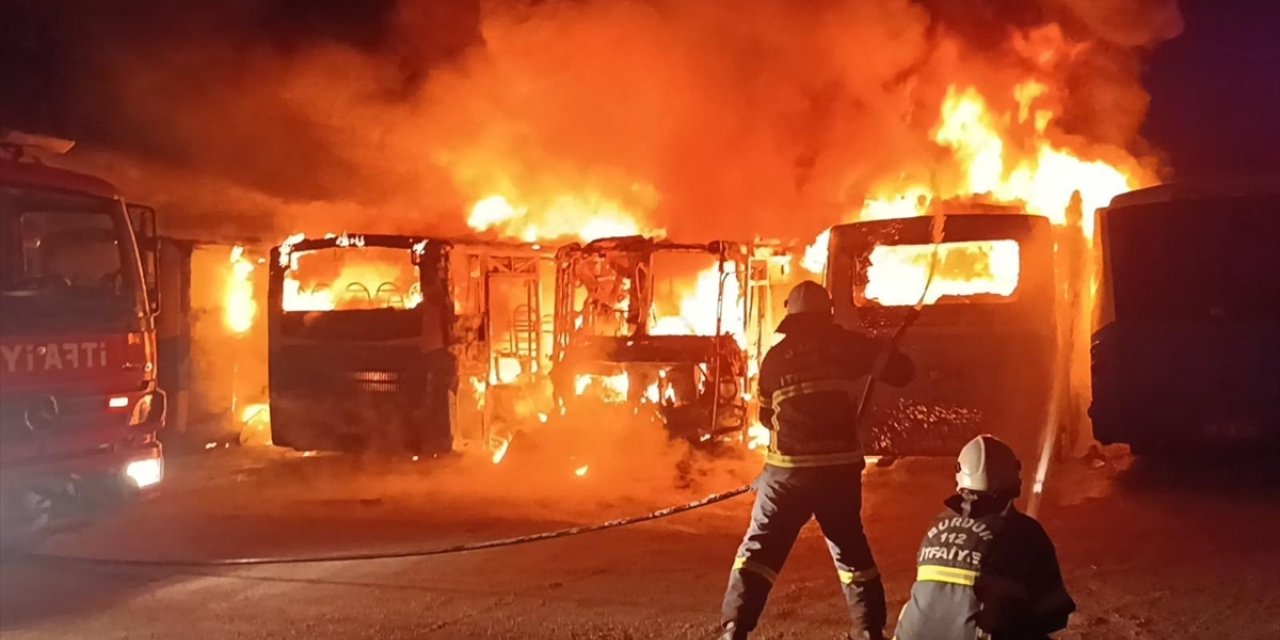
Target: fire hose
x=410 y=553
x=882 y=358
x=937 y=227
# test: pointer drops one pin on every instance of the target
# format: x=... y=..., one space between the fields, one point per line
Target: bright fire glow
x=1003 y=158
x=505 y=370
x=698 y=308
x=1044 y=181
x=897 y=274
x=757 y=436
x=145 y=473
x=609 y=389
x=240 y=307
x=582 y=471
x=258 y=411
x=500 y=451
x=815 y=255
x=660 y=391
x=372 y=278
x=256 y=424
x=568 y=216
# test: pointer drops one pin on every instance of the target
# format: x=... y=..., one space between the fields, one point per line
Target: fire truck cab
x=79 y=403
x=984 y=345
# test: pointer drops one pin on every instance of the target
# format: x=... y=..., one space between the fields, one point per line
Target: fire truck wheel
x=24 y=519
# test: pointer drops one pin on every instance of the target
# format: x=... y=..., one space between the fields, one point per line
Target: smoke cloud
x=704 y=118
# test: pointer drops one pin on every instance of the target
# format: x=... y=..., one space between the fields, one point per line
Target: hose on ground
x=414 y=553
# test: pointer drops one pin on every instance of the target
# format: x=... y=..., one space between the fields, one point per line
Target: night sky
x=1215 y=106
x=1215 y=90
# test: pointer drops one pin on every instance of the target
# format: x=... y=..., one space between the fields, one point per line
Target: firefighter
x=811 y=384
x=985 y=570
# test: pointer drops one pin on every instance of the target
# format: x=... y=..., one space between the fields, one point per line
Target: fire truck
x=79 y=404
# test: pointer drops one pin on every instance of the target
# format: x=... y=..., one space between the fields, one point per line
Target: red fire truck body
x=79 y=403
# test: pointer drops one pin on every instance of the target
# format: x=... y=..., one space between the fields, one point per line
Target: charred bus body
x=360 y=329
x=984 y=345
x=502 y=296
x=656 y=327
x=1188 y=319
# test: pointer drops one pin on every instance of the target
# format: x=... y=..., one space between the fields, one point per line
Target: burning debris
x=657 y=325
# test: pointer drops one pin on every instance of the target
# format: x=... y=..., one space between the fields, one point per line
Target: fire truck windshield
x=62 y=254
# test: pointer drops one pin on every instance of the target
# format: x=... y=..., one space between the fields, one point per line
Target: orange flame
x=255 y=422
x=367 y=278
x=757 y=436
x=240 y=307
x=991 y=166
x=660 y=391
x=610 y=389
x=898 y=274
x=567 y=216
x=700 y=308
x=500 y=450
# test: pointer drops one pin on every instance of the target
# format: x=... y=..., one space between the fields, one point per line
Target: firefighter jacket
x=985 y=571
x=810 y=387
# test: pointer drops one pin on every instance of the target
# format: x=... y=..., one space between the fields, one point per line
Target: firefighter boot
x=866 y=635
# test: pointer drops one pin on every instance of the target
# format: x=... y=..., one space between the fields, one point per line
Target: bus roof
x=1176 y=191
x=29 y=173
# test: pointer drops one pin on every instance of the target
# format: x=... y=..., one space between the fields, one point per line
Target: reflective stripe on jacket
x=991 y=574
x=810 y=386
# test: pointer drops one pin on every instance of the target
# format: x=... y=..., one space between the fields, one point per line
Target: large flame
x=899 y=274
x=1044 y=181
x=702 y=310
x=567 y=216
x=240 y=308
x=1006 y=158
x=374 y=278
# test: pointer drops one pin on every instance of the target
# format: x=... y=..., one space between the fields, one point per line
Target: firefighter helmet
x=808 y=297
x=988 y=465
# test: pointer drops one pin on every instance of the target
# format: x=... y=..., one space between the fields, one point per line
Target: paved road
x=1143 y=558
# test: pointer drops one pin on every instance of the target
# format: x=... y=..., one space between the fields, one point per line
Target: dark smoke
x=773 y=116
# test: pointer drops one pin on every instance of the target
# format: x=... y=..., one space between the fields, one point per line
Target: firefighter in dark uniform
x=985 y=570
x=810 y=387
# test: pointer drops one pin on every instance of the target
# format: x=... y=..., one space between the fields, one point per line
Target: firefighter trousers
x=785 y=501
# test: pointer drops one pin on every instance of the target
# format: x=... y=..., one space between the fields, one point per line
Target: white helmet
x=808 y=297
x=988 y=465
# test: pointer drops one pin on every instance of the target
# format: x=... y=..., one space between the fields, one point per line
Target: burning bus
x=360 y=329
x=654 y=327
x=405 y=343
x=984 y=345
x=1187 y=321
